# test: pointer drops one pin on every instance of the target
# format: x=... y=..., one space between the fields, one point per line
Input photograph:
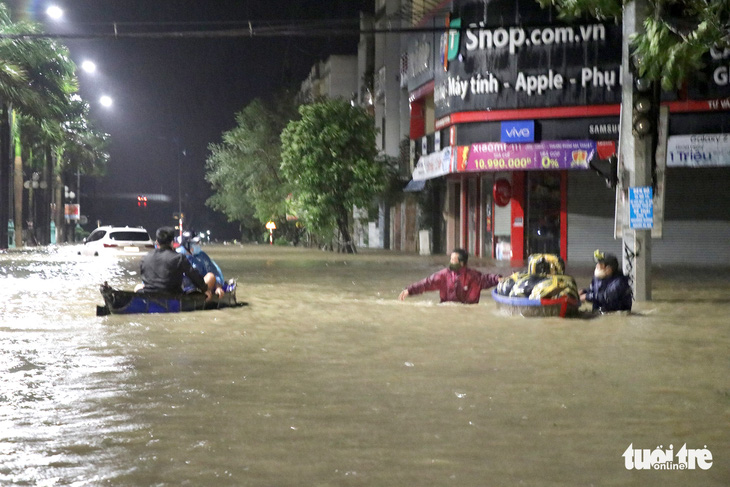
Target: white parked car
x=116 y=241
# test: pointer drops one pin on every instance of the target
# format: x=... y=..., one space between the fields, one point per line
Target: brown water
x=325 y=379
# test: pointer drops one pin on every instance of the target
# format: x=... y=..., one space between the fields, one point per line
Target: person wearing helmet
x=609 y=290
x=454 y=283
x=201 y=262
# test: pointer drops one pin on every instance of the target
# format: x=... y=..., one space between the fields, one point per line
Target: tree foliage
x=677 y=35
x=243 y=168
x=37 y=76
x=84 y=146
x=329 y=159
x=38 y=84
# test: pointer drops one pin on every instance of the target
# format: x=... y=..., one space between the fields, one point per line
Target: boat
x=544 y=290
x=127 y=302
x=564 y=306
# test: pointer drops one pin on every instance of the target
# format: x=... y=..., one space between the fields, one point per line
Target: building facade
x=335 y=77
x=511 y=113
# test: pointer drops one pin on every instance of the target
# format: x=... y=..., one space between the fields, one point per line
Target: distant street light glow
x=106 y=101
x=88 y=66
x=54 y=12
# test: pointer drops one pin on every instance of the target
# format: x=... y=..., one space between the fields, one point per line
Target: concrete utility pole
x=635 y=156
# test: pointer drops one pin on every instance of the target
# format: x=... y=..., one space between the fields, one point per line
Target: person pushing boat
x=455 y=283
x=609 y=289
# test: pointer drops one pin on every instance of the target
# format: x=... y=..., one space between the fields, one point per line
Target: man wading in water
x=455 y=283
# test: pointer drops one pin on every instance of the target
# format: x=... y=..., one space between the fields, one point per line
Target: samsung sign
x=518 y=131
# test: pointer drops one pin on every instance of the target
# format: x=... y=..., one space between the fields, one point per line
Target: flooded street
x=326 y=379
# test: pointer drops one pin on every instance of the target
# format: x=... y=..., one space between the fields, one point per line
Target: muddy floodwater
x=326 y=379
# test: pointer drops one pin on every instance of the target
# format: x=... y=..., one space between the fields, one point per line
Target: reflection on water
x=326 y=379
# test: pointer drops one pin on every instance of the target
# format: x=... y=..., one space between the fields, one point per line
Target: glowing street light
x=106 y=101
x=54 y=12
x=271 y=226
x=88 y=66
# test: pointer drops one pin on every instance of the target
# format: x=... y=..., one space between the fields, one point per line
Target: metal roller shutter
x=590 y=217
x=697 y=218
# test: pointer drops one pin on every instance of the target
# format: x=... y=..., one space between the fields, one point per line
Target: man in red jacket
x=455 y=283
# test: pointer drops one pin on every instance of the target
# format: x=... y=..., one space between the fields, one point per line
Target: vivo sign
x=520 y=131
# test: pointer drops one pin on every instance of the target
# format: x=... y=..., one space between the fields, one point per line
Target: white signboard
x=433 y=165
x=706 y=150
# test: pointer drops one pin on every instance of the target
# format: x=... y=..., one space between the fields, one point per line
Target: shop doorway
x=544 y=208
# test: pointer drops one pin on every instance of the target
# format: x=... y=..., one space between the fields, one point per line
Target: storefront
x=514 y=195
x=527 y=104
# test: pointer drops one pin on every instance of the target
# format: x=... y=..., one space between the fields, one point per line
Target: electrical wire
x=237 y=28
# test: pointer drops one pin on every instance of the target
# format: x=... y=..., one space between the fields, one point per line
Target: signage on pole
x=641 y=207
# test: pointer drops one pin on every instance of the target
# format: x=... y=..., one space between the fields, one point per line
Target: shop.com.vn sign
x=658 y=459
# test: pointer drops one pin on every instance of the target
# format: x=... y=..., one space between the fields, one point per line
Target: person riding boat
x=163 y=270
x=201 y=262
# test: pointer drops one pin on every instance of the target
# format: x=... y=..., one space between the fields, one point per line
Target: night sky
x=175 y=95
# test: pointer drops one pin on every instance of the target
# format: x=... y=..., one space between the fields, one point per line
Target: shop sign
x=518 y=131
x=72 y=211
x=549 y=155
x=717 y=74
x=641 y=207
x=707 y=150
x=419 y=59
x=452 y=45
x=548 y=63
x=423 y=58
x=434 y=165
x=603 y=129
x=502 y=192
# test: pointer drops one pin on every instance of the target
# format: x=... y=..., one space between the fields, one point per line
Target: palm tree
x=36 y=79
x=82 y=150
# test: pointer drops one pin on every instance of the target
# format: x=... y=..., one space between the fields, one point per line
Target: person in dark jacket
x=455 y=283
x=163 y=269
x=609 y=289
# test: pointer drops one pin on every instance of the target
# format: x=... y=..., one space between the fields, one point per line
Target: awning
x=414 y=186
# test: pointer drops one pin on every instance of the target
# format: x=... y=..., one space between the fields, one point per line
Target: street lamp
x=106 y=101
x=54 y=12
x=88 y=66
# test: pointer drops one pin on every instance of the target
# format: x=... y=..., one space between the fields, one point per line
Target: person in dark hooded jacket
x=610 y=289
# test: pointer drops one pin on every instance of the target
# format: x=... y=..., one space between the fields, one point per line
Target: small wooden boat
x=562 y=306
x=127 y=302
